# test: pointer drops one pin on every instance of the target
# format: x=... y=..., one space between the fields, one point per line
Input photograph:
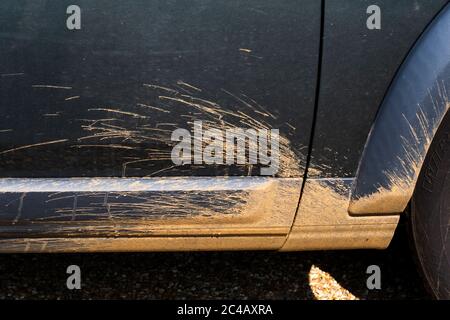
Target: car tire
x=430 y=214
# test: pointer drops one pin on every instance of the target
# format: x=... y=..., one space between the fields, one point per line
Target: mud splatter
x=40 y=144
x=241 y=112
x=46 y=86
x=13 y=74
x=72 y=98
x=402 y=180
x=324 y=223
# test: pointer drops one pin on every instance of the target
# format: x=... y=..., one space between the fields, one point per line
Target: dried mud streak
x=45 y=86
x=40 y=144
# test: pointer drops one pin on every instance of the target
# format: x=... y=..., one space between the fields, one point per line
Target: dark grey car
x=218 y=125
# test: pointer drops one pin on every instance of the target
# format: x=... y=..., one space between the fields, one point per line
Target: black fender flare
x=408 y=118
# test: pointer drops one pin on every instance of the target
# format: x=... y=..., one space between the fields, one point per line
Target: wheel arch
x=406 y=123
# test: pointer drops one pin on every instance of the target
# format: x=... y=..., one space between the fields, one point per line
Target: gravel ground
x=227 y=275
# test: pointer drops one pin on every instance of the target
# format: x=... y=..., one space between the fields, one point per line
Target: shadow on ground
x=229 y=275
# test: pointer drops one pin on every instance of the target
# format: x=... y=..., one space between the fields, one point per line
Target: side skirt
x=122 y=214
x=324 y=223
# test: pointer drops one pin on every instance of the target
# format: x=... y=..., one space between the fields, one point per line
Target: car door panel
x=87 y=115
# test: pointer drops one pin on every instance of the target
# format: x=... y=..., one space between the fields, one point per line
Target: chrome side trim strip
x=169 y=184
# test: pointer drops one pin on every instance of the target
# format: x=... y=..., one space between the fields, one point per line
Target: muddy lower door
x=155 y=118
